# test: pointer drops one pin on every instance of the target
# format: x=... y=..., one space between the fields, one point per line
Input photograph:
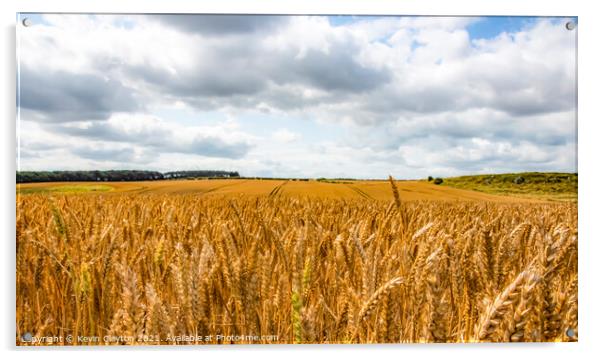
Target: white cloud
x=285 y=136
x=411 y=96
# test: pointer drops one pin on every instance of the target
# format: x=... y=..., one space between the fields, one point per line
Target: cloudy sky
x=318 y=96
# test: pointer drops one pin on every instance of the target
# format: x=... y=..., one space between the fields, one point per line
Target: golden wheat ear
x=395 y=192
x=161 y=265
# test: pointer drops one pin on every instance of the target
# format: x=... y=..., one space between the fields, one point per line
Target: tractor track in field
x=213 y=189
x=360 y=192
x=277 y=190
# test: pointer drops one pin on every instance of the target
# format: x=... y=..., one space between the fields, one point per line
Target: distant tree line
x=114 y=175
x=204 y=173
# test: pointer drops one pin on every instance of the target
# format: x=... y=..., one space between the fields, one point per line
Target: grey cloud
x=158 y=139
x=490 y=125
x=37 y=145
x=221 y=24
x=222 y=80
x=509 y=162
x=387 y=103
x=106 y=132
x=27 y=153
x=122 y=154
x=241 y=72
x=210 y=147
x=231 y=85
x=65 y=97
x=521 y=104
x=546 y=93
x=445 y=156
x=522 y=87
x=333 y=71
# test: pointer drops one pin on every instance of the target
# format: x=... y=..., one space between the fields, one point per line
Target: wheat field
x=187 y=269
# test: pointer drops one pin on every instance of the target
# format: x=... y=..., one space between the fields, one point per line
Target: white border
x=589 y=167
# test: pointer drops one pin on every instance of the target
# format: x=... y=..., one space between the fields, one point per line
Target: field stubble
x=307 y=270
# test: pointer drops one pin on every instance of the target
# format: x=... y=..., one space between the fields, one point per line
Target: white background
x=590 y=97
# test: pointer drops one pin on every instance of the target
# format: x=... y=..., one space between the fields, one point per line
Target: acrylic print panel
x=248 y=179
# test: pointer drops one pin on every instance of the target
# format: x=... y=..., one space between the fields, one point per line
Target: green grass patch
x=65 y=189
x=555 y=186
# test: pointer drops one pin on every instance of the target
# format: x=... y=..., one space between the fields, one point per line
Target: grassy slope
x=542 y=185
